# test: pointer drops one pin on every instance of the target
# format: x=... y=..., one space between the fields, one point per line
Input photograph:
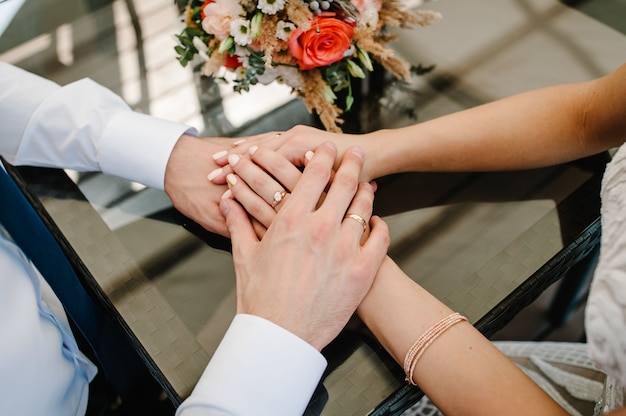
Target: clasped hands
x=310 y=270
x=194 y=158
x=299 y=257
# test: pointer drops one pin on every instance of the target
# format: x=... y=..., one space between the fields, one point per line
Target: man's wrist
x=275 y=371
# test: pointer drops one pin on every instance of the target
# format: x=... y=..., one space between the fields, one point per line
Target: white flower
x=242 y=53
x=282 y=74
x=284 y=30
x=240 y=30
x=219 y=15
x=240 y=73
x=271 y=6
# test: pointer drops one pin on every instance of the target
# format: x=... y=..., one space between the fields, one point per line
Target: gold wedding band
x=278 y=197
x=358 y=219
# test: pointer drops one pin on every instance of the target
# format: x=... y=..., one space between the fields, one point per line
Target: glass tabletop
x=481 y=242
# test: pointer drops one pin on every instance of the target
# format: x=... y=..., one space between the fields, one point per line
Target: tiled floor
x=77 y=39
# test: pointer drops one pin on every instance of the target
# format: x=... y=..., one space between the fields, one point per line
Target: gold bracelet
x=424 y=341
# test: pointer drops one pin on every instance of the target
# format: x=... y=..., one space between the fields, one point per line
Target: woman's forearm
x=461 y=371
x=528 y=130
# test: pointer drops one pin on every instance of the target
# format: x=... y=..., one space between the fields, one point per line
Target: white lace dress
x=605 y=314
x=586 y=379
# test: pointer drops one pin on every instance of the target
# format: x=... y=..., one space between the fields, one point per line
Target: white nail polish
x=233 y=159
x=253 y=149
x=214 y=174
x=308 y=155
x=227 y=194
x=231 y=179
x=220 y=155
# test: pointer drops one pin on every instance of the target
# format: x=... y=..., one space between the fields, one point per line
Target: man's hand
x=310 y=271
x=186 y=180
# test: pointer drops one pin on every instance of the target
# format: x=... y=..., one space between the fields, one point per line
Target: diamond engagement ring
x=278 y=197
x=358 y=219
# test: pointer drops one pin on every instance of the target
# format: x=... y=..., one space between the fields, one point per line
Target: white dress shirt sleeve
x=81 y=126
x=258 y=369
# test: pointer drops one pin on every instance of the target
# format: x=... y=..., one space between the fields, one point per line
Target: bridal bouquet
x=314 y=46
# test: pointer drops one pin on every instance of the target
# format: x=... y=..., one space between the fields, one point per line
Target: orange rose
x=323 y=44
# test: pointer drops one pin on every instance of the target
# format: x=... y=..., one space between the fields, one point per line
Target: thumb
x=239 y=226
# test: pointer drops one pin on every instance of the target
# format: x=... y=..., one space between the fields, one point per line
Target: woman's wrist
x=377 y=148
x=397 y=309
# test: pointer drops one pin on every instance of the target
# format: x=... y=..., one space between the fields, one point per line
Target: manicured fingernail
x=227 y=195
x=231 y=179
x=220 y=155
x=233 y=159
x=308 y=155
x=374 y=185
x=253 y=149
x=214 y=174
x=238 y=142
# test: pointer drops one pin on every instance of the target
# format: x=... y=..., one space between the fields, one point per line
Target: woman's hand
x=293 y=145
x=309 y=272
x=256 y=189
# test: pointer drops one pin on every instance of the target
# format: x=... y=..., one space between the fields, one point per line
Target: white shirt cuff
x=259 y=368
x=147 y=143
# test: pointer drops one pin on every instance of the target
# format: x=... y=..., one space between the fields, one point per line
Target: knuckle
x=363 y=205
x=346 y=181
x=318 y=170
x=276 y=166
x=256 y=182
x=321 y=234
x=386 y=238
x=382 y=231
x=366 y=189
x=254 y=207
x=289 y=221
x=298 y=130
